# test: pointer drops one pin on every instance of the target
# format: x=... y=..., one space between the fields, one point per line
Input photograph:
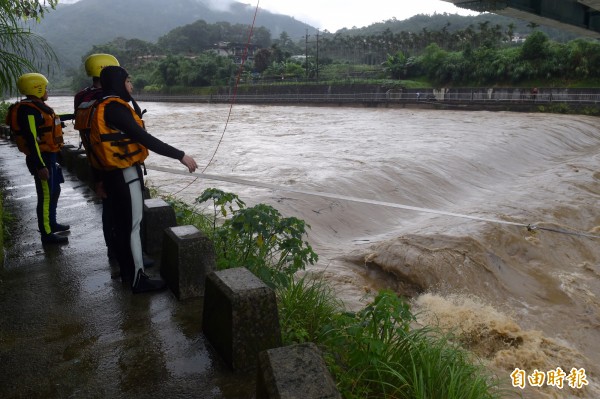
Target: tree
x=262 y=60
x=395 y=65
x=20 y=50
x=535 y=47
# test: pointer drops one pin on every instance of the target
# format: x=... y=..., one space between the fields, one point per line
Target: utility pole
x=306 y=53
x=317 y=57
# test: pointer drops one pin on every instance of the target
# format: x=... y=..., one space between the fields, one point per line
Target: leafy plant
x=306 y=306
x=3 y=111
x=258 y=238
x=222 y=203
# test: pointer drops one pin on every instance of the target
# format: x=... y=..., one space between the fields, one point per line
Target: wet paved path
x=67 y=330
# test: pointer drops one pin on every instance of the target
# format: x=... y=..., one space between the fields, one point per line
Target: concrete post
x=158 y=215
x=240 y=317
x=82 y=168
x=296 y=371
x=5 y=131
x=68 y=156
x=187 y=258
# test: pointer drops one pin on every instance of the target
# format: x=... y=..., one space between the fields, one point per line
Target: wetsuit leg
x=108 y=226
x=42 y=188
x=48 y=192
x=124 y=188
x=54 y=181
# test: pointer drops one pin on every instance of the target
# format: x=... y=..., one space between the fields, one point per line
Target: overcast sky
x=337 y=14
x=332 y=15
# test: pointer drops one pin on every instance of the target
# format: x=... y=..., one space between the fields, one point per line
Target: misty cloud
x=218 y=5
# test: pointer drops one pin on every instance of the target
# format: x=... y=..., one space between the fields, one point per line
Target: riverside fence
x=391 y=97
x=380 y=96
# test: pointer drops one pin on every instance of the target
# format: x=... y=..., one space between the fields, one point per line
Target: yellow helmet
x=95 y=62
x=32 y=84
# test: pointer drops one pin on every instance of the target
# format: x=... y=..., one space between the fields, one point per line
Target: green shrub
x=258 y=238
x=3 y=110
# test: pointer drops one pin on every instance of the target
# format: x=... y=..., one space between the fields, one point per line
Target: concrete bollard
x=5 y=131
x=187 y=258
x=158 y=215
x=240 y=317
x=65 y=152
x=82 y=168
x=296 y=371
x=69 y=154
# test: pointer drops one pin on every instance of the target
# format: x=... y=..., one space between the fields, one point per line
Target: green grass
x=305 y=307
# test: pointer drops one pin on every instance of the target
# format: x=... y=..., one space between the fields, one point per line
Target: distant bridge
x=578 y=16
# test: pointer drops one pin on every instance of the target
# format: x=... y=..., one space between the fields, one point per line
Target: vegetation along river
x=519 y=298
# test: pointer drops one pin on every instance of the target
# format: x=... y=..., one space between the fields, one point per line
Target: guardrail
x=380 y=98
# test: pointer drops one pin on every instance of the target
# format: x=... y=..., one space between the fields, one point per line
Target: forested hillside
x=73 y=29
x=454 y=22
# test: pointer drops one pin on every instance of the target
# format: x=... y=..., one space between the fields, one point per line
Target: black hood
x=113 y=79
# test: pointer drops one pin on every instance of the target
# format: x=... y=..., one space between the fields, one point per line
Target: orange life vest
x=83 y=115
x=112 y=148
x=48 y=135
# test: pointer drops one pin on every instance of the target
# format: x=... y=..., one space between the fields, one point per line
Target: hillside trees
x=200 y=71
x=18 y=46
x=286 y=47
x=583 y=58
x=537 y=59
x=133 y=55
x=475 y=55
x=201 y=36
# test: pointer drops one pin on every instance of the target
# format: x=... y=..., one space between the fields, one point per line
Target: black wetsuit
x=48 y=191
x=125 y=186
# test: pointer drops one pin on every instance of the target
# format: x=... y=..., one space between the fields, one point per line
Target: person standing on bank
x=84 y=103
x=120 y=143
x=38 y=134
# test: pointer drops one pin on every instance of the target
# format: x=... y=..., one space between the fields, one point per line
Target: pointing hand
x=189 y=162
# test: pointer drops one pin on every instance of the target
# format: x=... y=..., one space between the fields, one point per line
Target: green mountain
x=455 y=22
x=72 y=29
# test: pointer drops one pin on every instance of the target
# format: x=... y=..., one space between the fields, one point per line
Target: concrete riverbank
x=69 y=330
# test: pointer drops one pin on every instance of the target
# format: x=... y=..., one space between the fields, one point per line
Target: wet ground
x=69 y=330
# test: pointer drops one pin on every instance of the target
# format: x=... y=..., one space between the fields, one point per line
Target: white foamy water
x=517 y=298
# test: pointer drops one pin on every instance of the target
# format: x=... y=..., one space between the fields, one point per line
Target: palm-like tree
x=21 y=50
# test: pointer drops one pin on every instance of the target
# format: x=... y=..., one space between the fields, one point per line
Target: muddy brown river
x=432 y=204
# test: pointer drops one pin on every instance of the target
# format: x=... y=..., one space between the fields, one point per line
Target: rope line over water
x=273 y=187
x=235 y=89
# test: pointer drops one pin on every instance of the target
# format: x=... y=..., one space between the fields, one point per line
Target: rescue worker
x=120 y=143
x=38 y=134
x=84 y=103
